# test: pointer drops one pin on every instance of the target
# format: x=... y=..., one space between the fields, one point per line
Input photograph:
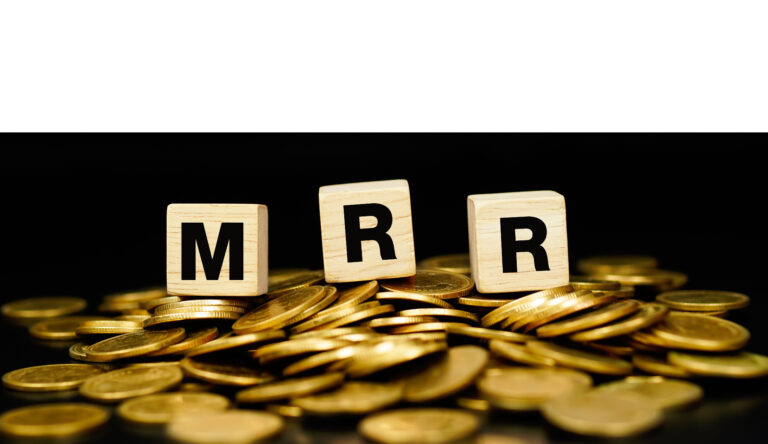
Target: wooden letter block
x=216 y=249
x=517 y=241
x=367 y=231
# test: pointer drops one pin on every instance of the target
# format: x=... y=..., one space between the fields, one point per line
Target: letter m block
x=216 y=249
x=517 y=241
x=367 y=231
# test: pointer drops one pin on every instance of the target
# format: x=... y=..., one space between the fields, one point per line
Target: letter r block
x=367 y=231
x=216 y=249
x=517 y=241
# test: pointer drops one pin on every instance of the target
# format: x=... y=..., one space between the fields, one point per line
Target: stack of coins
x=387 y=352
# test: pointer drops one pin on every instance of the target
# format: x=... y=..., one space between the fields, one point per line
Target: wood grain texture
x=255 y=244
x=395 y=195
x=484 y=213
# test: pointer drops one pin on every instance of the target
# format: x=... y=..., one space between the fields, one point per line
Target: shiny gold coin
x=352 y=398
x=719 y=314
x=193 y=339
x=436 y=283
x=649 y=314
x=454 y=263
x=53 y=420
x=591 y=362
x=732 y=365
x=152 y=303
x=450 y=313
x=295 y=347
x=522 y=304
x=388 y=353
x=587 y=283
x=476 y=300
x=552 y=312
x=664 y=393
x=58 y=329
x=200 y=309
x=223 y=373
x=49 y=378
x=703 y=300
x=322 y=318
x=353 y=296
x=399 y=298
x=525 y=388
x=130 y=382
x=279 y=283
x=44 y=307
x=357 y=316
x=486 y=333
x=318 y=360
x=455 y=371
x=591 y=319
x=423 y=425
x=107 y=327
x=617 y=264
x=529 y=312
x=229 y=426
x=161 y=408
x=397 y=321
x=189 y=303
x=133 y=344
x=333 y=332
x=229 y=342
x=662 y=280
x=602 y=413
x=274 y=313
x=691 y=331
x=290 y=388
x=196 y=316
x=518 y=353
x=426 y=327
x=655 y=366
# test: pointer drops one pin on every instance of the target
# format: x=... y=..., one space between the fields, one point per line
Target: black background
x=85 y=215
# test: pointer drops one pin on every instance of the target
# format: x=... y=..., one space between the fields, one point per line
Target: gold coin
x=664 y=393
x=691 y=331
x=133 y=344
x=143 y=295
x=486 y=333
x=281 y=282
x=703 y=300
x=196 y=316
x=591 y=362
x=719 y=314
x=440 y=313
x=399 y=298
x=193 y=339
x=229 y=342
x=44 y=307
x=397 y=321
x=455 y=371
x=617 y=264
x=290 y=388
x=152 y=303
x=423 y=425
x=107 y=327
x=161 y=408
x=321 y=359
x=603 y=413
x=662 y=280
x=200 y=309
x=426 y=327
x=202 y=302
x=591 y=319
x=518 y=353
x=357 y=316
x=454 y=263
x=523 y=303
x=436 y=283
x=276 y=312
x=353 y=296
x=333 y=332
x=476 y=300
x=649 y=314
x=53 y=420
x=319 y=319
x=228 y=426
x=49 y=378
x=60 y=328
x=531 y=311
x=523 y=388
x=352 y=398
x=224 y=373
x=655 y=366
x=295 y=347
x=733 y=365
x=587 y=283
x=388 y=353
x=551 y=311
x=130 y=382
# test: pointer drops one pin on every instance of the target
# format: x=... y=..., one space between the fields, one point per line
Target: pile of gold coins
x=421 y=359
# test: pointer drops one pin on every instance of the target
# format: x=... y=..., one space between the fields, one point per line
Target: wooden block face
x=216 y=249
x=529 y=227
x=367 y=231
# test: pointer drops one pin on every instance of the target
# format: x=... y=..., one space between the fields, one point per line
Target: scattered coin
x=649 y=314
x=232 y=342
x=664 y=393
x=450 y=313
x=44 y=307
x=224 y=373
x=193 y=316
x=487 y=333
x=518 y=353
x=353 y=296
x=193 y=339
x=161 y=408
x=53 y=420
x=700 y=332
x=48 y=378
x=352 y=398
x=290 y=388
x=396 y=321
x=455 y=371
x=229 y=426
x=60 y=328
x=582 y=360
x=523 y=388
x=703 y=300
x=133 y=344
x=477 y=300
x=130 y=382
x=436 y=283
x=424 y=425
x=590 y=319
x=398 y=297
x=656 y=366
x=107 y=327
x=735 y=365
x=276 y=312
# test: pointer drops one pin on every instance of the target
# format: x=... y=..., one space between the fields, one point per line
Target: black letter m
x=230 y=234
